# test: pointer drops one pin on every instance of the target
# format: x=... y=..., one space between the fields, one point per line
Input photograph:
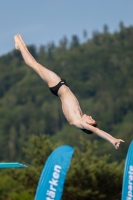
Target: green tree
x=89 y=176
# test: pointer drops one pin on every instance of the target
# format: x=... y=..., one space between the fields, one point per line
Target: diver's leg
x=47 y=75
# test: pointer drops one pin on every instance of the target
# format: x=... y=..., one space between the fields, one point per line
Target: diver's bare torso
x=70 y=104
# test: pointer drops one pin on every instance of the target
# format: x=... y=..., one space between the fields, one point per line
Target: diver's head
x=89 y=120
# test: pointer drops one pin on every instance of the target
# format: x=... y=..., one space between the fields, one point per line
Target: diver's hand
x=116 y=143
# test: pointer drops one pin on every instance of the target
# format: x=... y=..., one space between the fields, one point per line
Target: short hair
x=88 y=131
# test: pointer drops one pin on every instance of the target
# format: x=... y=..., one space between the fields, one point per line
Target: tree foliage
x=89 y=176
x=99 y=72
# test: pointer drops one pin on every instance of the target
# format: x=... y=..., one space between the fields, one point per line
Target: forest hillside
x=98 y=71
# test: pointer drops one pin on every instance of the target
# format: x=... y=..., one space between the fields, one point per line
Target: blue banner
x=127 y=188
x=51 y=183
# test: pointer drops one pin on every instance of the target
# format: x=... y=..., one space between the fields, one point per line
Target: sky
x=41 y=22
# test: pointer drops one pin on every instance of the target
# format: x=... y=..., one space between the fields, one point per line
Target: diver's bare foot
x=18 y=42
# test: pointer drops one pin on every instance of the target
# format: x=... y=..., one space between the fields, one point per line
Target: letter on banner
x=127 y=188
x=51 y=183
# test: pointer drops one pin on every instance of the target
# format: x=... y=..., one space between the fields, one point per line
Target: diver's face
x=88 y=119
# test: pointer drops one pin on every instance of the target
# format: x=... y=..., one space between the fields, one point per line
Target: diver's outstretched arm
x=115 y=142
x=82 y=125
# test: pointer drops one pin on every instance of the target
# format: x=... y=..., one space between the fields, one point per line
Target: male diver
x=59 y=87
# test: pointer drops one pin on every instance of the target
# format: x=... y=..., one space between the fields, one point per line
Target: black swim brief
x=55 y=89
